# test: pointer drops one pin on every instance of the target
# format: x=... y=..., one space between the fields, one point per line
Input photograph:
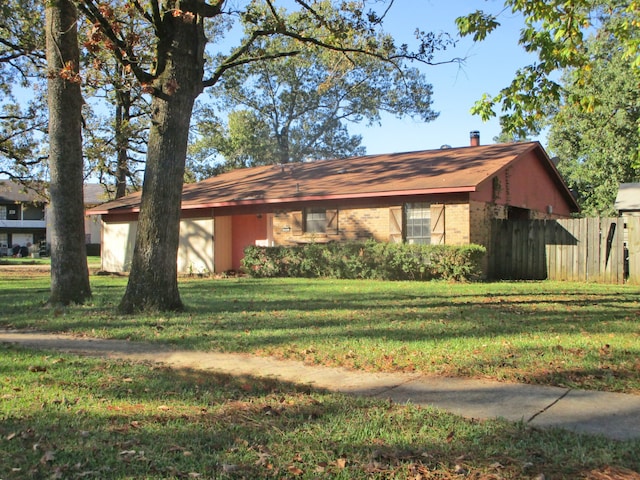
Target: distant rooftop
x=10 y=191
x=628 y=198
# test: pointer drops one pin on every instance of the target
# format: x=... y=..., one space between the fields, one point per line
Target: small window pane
x=418 y=223
x=316 y=220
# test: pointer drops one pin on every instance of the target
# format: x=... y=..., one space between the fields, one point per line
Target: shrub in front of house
x=370 y=260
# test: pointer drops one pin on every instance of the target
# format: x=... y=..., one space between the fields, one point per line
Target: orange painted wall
x=246 y=230
x=525 y=184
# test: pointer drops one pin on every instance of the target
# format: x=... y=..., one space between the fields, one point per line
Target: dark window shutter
x=296 y=228
x=332 y=222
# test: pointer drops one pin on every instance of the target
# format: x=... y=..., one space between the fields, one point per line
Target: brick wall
x=464 y=223
x=481 y=215
x=357 y=224
x=457 y=224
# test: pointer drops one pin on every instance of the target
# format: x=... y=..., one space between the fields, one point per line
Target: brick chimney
x=474 y=138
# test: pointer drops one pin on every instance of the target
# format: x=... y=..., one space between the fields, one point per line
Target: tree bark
x=69 y=271
x=153 y=282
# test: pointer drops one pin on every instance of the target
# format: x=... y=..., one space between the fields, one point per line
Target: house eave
x=299 y=199
x=329 y=197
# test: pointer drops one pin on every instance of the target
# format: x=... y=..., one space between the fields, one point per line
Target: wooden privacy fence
x=585 y=249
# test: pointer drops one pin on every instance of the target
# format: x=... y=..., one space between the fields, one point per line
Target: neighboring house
x=445 y=196
x=628 y=199
x=94 y=195
x=22 y=219
x=628 y=206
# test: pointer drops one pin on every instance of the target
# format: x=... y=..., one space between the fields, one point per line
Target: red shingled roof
x=424 y=172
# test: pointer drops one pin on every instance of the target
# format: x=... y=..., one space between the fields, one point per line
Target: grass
x=584 y=336
x=93 y=262
x=64 y=416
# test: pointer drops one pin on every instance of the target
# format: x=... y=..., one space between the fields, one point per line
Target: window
x=13 y=212
x=418 y=222
x=315 y=220
x=3 y=212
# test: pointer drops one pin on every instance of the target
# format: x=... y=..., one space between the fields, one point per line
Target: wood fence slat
x=593 y=249
x=619 y=249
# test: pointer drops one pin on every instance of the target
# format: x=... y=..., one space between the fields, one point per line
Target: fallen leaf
x=11 y=436
x=613 y=473
x=37 y=368
x=341 y=463
x=293 y=470
x=49 y=456
x=164 y=408
x=460 y=470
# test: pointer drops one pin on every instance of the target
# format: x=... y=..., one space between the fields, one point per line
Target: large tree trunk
x=69 y=272
x=153 y=282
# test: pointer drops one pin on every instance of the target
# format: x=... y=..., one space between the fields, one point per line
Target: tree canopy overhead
x=292 y=108
x=557 y=31
x=22 y=122
x=595 y=145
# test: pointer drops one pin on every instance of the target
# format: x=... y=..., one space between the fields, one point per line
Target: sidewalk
x=614 y=415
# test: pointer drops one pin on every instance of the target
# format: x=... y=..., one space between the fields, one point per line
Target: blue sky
x=490 y=65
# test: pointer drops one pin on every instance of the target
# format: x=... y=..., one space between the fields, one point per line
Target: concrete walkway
x=614 y=415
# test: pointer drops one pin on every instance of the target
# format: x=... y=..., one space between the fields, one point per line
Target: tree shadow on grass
x=84 y=418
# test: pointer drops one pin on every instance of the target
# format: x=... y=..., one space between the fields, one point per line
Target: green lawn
x=63 y=416
x=578 y=335
x=69 y=417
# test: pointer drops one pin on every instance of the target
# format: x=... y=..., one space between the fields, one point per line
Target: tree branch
x=91 y=10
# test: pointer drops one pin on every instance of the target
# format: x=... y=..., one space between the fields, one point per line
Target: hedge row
x=370 y=260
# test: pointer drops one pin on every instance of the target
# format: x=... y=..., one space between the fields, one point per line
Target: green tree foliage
x=117 y=114
x=23 y=120
x=292 y=108
x=594 y=131
x=557 y=31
